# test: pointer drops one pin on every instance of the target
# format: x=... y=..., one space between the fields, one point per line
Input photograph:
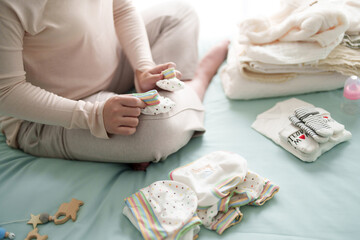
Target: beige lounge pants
x=173 y=34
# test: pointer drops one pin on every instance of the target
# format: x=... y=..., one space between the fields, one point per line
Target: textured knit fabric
x=68 y=50
x=318 y=21
x=164 y=30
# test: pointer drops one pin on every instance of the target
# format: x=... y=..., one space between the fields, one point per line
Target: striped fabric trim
x=232 y=217
x=303 y=112
x=270 y=189
x=223 y=204
x=240 y=199
x=194 y=221
x=316 y=122
x=151 y=97
x=302 y=126
x=148 y=223
x=224 y=187
x=169 y=73
x=177 y=169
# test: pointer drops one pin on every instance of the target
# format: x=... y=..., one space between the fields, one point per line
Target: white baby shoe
x=164 y=106
x=170 y=82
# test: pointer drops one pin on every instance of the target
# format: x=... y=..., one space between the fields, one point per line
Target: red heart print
x=302 y=136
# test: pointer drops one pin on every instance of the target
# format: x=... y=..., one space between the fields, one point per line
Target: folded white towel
x=237 y=87
x=277 y=68
x=352 y=10
x=320 y=21
x=284 y=52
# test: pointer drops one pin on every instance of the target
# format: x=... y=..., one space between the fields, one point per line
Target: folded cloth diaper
x=164 y=210
x=156 y=104
x=296 y=135
x=223 y=184
x=170 y=82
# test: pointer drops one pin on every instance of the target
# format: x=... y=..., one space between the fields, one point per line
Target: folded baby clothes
x=223 y=184
x=255 y=191
x=156 y=104
x=212 y=176
x=237 y=86
x=342 y=59
x=294 y=125
x=170 y=82
x=164 y=210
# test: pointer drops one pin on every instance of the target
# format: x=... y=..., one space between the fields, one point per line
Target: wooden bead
x=44 y=217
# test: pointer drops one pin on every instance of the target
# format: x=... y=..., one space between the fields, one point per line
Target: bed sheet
x=316 y=200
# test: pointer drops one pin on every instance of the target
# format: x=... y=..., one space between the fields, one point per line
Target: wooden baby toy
x=35 y=234
x=69 y=210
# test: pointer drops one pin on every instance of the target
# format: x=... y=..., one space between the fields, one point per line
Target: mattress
x=316 y=200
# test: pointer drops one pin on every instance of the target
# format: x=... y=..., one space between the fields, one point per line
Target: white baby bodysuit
x=212 y=176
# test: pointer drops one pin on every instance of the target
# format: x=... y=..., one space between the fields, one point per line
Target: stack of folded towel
x=302 y=129
x=304 y=40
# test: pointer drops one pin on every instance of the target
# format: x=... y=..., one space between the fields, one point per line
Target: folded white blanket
x=284 y=52
x=237 y=87
x=256 y=66
x=352 y=11
x=320 y=21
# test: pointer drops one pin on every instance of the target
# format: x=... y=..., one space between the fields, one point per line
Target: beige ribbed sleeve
x=132 y=34
x=69 y=50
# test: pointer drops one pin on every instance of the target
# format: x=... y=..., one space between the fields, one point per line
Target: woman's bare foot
x=139 y=166
x=208 y=67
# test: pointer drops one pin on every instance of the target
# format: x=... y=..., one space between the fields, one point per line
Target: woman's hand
x=121 y=114
x=146 y=80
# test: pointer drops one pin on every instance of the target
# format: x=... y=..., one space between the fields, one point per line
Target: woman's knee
x=171 y=13
x=185 y=11
x=169 y=137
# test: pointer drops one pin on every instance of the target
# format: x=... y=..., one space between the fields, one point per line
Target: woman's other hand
x=121 y=114
x=146 y=80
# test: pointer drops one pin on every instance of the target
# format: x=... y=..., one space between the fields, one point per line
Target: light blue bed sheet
x=317 y=200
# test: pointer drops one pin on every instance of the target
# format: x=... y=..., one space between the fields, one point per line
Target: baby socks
x=311 y=118
x=285 y=124
x=157 y=104
x=299 y=139
x=170 y=82
x=150 y=98
x=310 y=128
x=165 y=105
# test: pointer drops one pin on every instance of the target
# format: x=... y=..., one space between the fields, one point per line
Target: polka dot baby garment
x=164 y=210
